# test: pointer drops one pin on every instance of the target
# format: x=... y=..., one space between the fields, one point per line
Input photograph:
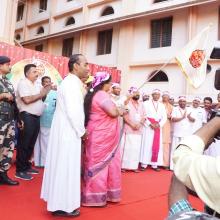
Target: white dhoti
x=175 y=142
x=130 y=151
x=40 y=149
x=146 y=149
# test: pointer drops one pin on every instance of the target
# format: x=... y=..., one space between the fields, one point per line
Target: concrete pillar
x=8 y=20
x=125 y=51
x=83 y=34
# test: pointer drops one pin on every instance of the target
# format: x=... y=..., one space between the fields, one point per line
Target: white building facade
x=7 y=20
x=136 y=36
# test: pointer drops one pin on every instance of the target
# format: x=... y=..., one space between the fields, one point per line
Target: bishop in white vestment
x=152 y=148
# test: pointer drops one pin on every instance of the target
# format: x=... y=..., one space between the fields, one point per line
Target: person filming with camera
x=196 y=171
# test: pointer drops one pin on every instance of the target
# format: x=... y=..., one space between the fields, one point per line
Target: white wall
x=3 y=5
x=142 y=50
x=143 y=5
x=34 y=15
x=91 y=48
x=95 y=12
x=63 y=5
x=210 y=16
x=20 y=24
x=7 y=20
x=33 y=30
x=176 y=83
x=59 y=24
x=56 y=48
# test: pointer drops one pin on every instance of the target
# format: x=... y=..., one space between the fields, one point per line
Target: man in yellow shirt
x=198 y=172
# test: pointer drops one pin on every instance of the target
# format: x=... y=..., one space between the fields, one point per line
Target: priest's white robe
x=157 y=111
x=61 y=181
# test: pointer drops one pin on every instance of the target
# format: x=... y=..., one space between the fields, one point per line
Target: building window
x=39 y=47
x=159 y=77
x=17 y=37
x=161 y=32
x=108 y=11
x=67 y=47
x=104 y=42
x=40 y=30
x=43 y=6
x=156 y=1
x=70 y=21
x=20 y=12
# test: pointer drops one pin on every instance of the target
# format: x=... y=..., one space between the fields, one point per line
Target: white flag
x=193 y=58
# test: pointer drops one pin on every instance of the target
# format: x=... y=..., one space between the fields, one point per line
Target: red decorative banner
x=17 y=54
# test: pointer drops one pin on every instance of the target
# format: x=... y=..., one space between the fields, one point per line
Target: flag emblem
x=192 y=59
x=197 y=57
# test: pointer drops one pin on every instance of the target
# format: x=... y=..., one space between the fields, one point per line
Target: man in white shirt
x=31 y=106
x=198 y=114
x=199 y=172
x=182 y=124
x=116 y=97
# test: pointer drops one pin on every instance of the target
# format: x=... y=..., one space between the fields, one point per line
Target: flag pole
x=148 y=79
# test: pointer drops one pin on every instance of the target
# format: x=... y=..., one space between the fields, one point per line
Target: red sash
x=156 y=141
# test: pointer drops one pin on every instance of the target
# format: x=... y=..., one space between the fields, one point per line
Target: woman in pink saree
x=101 y=160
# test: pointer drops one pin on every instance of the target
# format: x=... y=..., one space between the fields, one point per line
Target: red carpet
x=144 y=197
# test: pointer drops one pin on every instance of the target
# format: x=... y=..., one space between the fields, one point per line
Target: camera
x=215 y=113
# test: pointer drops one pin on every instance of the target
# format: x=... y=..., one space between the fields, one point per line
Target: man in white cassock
x=182 y=119
x=152 y=148
x=61 y=181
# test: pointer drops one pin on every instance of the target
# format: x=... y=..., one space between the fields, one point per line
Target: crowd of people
x=85 y=133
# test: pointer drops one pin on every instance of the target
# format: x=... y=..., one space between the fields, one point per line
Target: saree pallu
x=101 y=159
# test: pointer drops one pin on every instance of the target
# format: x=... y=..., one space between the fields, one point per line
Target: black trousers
x=26 y=141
